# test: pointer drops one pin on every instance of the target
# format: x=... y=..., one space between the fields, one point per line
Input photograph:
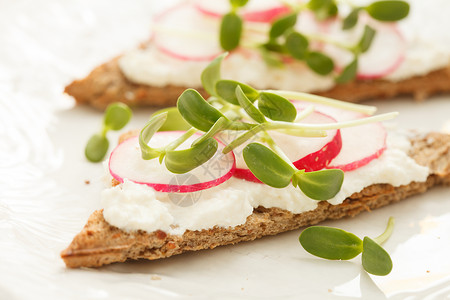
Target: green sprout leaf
x=297 y=45
x=271 y=59
x=320 y=185
x=153 y=125
x=276 y=108
x=375 y=259
x=351 y=19
x=196 y=111
x=230 y=31
x=281 y=25
x=211 y=74
x=96 y=148
x=183 y=161
x=388 y=11
x=366 y=39
x=349 y=72
x=330 y=243
x=117 y=115
x=174 y=120
x=226 y=89
x=248 y=106
x=238 y=3
x=267 y=166
x=319 y=63
x=323 y=9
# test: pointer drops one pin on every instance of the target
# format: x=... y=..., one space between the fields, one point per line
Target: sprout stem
x=180 y=140
x=329 y=126
x=370 y=110
x=387 y=233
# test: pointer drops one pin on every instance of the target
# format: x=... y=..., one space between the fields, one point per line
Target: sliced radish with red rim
x=360 y=144
x=184 y=33
x=125 y=162
x=264 y=11
x=385 y=54
x=309 y=153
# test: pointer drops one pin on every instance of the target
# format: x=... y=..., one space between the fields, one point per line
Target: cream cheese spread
x=427 y=49
x=132 y=206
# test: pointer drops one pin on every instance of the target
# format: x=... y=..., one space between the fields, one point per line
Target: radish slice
x=255 y=11
x=125 y=162
x=385 y=55
x=184 y=33
x=360 y=144
x=306 y=153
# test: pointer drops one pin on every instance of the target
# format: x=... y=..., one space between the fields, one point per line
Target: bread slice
x=107 y=84
x=100 y=243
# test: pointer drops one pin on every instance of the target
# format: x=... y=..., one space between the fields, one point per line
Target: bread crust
x=107 y=84
x=100 y=243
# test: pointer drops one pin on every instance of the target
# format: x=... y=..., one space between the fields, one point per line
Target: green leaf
x=349 y=72
x=117 y=115
x=267 y=166
x=297 y=45
x=330 y=243
x=388 y=11
x=274 y=46
x=182 y=161
x=319 y=63
x=248 y=106
x=96 y=148
x=351 y=19
x=211 y=74
x=375 y=259
x=276 y=108
x=242 y=138
x=282 y=24
x=320 y=185
x=230 y=31
x=238 y=3
x=366 y=39
x=153 y=125
x=197 y=111
x=226 y=89
x=271 y=59
x=323 y=9
x=174 y=120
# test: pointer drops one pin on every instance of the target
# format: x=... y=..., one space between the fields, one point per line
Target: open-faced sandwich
x=249 y=163
x=345 y=52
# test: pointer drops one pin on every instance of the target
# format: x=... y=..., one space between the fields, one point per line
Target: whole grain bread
x=100 y=243
x=107 y=84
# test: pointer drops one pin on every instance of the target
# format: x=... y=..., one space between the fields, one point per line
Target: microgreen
x=281 y=25
x=337 y=244
x=174 y=120
x=253 y=114
x=196 y=111
x=276 y=108
x=352 y=19
x=211 y=74
x=388 y=11
x=349 y=72
x=182 y=161
x=226 y=90
x=285 y=39
x=116 y=116
x=230 y=31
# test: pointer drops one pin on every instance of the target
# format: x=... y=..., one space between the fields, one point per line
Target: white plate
x=45 y=200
